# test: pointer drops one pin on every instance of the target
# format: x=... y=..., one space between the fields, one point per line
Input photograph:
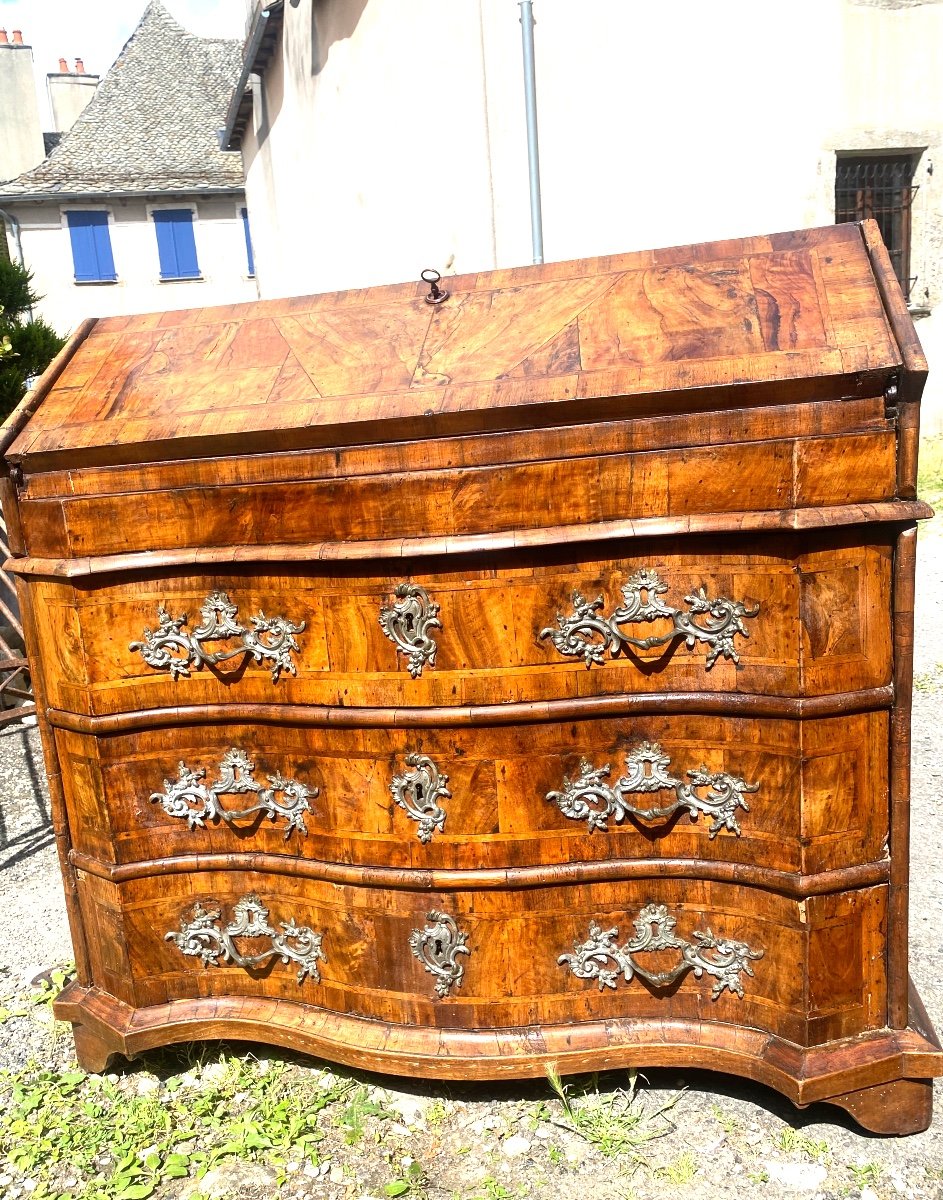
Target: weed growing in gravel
x=47 y=991
x=866 y=1174
x=727 y=1123
x=616 y=1124
x=359 y=1107
x=794 y=1140
x=493 y=1191
x=682 y=1170
x=929 y=681
x=86 y=1137
x=412 y=1182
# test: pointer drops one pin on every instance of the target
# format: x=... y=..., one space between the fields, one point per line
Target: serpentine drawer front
x=517 y=680
x=786 y=795
x=786 y=615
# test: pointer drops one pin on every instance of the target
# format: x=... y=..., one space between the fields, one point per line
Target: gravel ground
x=721 y=1134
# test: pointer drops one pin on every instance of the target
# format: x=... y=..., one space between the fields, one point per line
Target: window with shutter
x=176 y=245
x=92 y=259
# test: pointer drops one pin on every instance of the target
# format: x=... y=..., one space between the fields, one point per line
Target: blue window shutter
x=176 y=246
x=250 y=257
x=91 y=246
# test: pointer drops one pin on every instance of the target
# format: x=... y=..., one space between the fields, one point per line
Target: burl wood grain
x=766 y=475
x=740 y=416
x=515 y=937
x=770 y=311
x=821 y=803
x=822 y=627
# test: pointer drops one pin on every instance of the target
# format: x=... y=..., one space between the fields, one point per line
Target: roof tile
x=152 y=125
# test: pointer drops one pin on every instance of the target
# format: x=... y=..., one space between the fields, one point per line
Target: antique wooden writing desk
x=458 y=684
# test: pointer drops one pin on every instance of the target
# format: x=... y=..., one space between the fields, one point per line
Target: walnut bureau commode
x=516 y=671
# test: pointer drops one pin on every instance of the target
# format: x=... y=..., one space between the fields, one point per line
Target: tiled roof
x=153 y=123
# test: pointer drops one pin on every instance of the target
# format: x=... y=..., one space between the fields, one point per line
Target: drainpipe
x=530 y=106
x=15 y=225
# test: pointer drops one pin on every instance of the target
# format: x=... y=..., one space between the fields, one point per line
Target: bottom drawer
x=810 y=970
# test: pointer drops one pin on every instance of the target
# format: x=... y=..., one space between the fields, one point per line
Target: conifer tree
x=27 y=343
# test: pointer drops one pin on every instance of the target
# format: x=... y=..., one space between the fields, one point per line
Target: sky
x=95 y=30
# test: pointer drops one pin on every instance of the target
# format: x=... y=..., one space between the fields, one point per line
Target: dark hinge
x=890 y=397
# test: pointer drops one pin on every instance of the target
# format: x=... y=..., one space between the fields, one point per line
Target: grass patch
x=795 y=1141
x=617 y=1123
x=930 y=470
x=89 y=1137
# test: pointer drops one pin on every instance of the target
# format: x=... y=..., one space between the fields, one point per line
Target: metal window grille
x=882 y=187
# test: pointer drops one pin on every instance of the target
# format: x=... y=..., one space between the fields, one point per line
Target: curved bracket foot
x=93 y=1052
x=894 y=1109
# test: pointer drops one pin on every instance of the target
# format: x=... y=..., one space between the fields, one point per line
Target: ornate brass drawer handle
x=189 y=798
x=577 y=634
x=202 y=938
x=419 y=791
x=169 y=648
x=407 y=623
x=726 y=960
x=437 y=947
x=589 y=798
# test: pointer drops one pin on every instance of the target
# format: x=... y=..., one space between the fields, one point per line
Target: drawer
x=807 y=616
x=498 y=959
x=800 y=796
x=582 y=475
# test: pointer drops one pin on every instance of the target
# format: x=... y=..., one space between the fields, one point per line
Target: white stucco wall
x=21 y=138
x=221 y=255
x=390 y=137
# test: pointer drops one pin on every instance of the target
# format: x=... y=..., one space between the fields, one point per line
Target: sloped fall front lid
x=758 y=320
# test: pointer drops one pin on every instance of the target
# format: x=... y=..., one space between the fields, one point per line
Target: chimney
x=4 y=40
x=69 y=93
x=21 y=135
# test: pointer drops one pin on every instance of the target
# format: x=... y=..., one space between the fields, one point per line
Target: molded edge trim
x=804 y=1075
x=778 y=521
x=422 y=879
x=745 y=704
x=19 y=417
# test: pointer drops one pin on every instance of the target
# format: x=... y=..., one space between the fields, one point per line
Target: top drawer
x=800 y=456
x=782 y=615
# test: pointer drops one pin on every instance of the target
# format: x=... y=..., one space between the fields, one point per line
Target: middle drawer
x=799 y=795
x=784 y=615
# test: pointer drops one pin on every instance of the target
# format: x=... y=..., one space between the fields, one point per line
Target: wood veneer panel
x=820 y=808
x=612 y=437
x=512 y=975
x=735 y=313
x=820 y=629
x=770 y=475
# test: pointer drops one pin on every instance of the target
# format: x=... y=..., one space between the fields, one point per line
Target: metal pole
x=530 y=105
x=15 y=226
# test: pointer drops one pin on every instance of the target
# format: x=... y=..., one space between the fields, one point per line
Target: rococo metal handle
x=437 y=947
x=190 y=798
x=419 y=791
x=202 y=938
x=589 y=798
x=169 y=648
x=577 y=634
x=722 y=958
x=407 y=623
